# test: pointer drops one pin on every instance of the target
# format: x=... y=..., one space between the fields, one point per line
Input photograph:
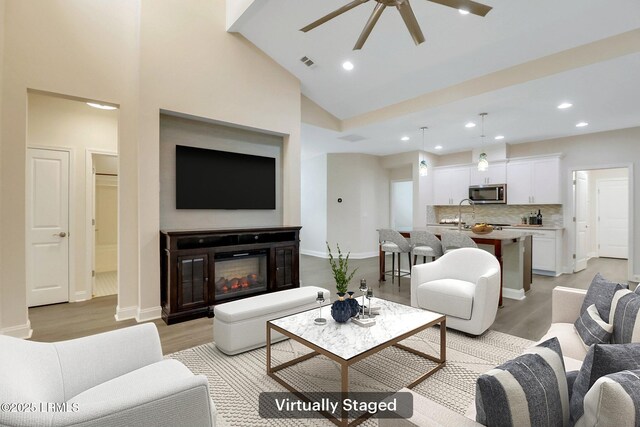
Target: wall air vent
x=352 y=138
x=307 y=61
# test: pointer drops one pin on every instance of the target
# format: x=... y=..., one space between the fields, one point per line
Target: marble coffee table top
x=347 y=340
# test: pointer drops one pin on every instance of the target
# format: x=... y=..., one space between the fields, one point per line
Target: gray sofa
x=565 y=310
x=117 y=378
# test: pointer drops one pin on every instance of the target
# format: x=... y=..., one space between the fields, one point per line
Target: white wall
x=62 y=123
x=179 y=131
x=143 y=56
x=2 y=31
x=313 y=236
x=363 y=184
x=592 y=151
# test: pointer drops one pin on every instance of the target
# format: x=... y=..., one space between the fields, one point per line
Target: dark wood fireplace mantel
x=188 y=261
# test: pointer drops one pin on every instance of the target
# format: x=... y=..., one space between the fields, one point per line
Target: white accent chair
x=463 y=284
x=115 y=378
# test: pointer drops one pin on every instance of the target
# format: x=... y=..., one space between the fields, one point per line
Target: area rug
x=235 y=382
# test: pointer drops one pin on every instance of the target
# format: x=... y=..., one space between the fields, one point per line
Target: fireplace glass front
x=240 y=274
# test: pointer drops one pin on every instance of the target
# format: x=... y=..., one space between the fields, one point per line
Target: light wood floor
x=527 y=319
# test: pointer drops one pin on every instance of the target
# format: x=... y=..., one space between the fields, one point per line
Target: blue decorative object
x=353 y=303
x=341 y=309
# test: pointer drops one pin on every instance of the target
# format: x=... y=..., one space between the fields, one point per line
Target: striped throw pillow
x=600 y=293
x=601 y=360
x=624 y=317
x=614 y=400
x=592 y=329
x=530 y=390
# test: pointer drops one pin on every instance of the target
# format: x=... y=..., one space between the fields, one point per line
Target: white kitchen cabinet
x=451 y=185
x=496 y=174
x=547 y=252
x=534 y=181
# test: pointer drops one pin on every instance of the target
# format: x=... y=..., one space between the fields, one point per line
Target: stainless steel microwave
x=486 y=194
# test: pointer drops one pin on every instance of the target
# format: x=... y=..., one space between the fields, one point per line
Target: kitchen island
x=511 y=247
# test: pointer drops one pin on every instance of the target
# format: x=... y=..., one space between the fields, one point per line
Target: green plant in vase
x=341 y=310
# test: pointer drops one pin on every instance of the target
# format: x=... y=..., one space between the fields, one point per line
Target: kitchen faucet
x=473 y=205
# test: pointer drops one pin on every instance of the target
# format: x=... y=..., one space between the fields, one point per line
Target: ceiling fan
x=406 y=12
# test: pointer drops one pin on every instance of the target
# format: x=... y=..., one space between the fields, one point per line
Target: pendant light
x=423 y=168
x=483 y=162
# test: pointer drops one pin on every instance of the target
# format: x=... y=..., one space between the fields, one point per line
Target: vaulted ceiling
x=517 y=64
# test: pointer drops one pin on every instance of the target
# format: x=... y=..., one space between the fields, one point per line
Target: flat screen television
x=212 y=179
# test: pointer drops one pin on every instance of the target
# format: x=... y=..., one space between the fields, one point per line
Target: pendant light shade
x=423 y=168
x=483 y=161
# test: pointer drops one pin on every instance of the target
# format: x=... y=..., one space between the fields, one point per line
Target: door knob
x=61 y=234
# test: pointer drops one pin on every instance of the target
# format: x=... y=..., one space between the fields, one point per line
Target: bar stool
x=394 y=242
x=456 y=240
x=425 y=244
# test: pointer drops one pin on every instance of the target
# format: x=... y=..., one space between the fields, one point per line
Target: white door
x=441 y=187
x=402 y=205
x=613 y=218
x=47 y=227
x=582 y=219
x=459 y=184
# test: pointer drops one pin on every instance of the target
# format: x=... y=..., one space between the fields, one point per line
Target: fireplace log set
x=224 y=285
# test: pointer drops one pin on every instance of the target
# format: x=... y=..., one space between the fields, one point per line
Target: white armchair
x=115 y=378
x=463 y=284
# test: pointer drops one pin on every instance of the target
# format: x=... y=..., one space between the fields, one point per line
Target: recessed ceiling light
x=347 y=65
x=463 y=11
x=565 y=105
x=499 y=137
x=405 y=138
x=582 y=124
x=470 y=125
x=438 y=147
x=101 y=106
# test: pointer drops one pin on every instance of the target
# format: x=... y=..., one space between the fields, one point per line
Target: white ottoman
x=241 y=325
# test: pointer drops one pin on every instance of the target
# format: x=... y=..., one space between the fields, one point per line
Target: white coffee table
x=348 y=343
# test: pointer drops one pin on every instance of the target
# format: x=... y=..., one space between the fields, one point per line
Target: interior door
x=582 y=219
x=402 y=205
x=47 y=227
x=613 y=218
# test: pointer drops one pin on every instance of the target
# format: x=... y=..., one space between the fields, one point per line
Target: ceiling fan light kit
x=406 y=12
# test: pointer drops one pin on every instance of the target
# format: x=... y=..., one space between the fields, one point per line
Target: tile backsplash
x=499 y=214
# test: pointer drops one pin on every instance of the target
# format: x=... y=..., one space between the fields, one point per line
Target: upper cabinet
x=534 y=181
x=496 y=174
x=451 y=185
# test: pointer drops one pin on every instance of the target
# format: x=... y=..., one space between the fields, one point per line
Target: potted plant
x=342 y=310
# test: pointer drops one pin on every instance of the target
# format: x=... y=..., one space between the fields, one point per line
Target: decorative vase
x=341 y=309
x=353 y=303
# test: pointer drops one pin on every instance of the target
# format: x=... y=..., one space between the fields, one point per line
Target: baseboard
x=126 y=313
x=80 y=296
x=147 y=314
x=316 y=254
x=352 y=255
x=20 y=331
x=363 y=255
x=517 y=294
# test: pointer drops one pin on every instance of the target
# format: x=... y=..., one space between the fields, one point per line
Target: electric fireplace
x=240 y=274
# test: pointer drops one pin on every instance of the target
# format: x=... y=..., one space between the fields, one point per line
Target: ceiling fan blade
x=468 y=5
x=373 y=19
x=411 y=22
x=332 y=15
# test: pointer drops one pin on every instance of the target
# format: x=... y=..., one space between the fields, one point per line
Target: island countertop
x=510 y=234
